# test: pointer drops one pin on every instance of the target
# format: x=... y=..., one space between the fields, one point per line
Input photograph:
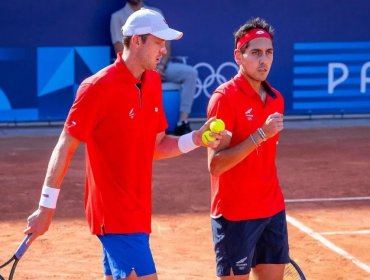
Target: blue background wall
x=48 y=47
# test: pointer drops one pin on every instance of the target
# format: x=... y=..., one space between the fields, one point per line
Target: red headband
x=252 y=34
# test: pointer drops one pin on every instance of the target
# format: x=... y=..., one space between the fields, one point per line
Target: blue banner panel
x=320 y=62
x=331 y=77
x=40 y=84
x=18 y=78
x=60 y=70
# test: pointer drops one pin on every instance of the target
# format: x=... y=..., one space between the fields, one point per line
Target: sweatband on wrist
x=49 y=197
x=186 y=143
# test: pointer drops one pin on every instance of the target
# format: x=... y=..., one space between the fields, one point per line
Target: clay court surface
x=324 y=171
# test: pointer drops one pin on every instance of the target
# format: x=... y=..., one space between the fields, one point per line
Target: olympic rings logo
x=214 y=77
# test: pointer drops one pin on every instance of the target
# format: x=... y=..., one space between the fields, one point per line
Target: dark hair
x=252 y=23
x=127 y=39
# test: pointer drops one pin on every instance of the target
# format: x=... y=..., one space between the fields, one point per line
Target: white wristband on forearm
x=49 y=197
x=186 y=143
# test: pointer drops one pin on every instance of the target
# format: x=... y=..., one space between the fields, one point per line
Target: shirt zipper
x=140 y=95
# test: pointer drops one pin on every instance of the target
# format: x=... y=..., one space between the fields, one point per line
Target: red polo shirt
x=251 y=189
x=119 y=124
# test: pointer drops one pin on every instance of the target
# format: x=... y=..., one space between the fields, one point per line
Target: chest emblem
x=249 y=114
x=131 y=113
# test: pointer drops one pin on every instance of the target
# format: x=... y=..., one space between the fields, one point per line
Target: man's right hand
x=273 y=125
x=38 y=222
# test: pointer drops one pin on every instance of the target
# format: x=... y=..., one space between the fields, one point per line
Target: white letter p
x=333 y=83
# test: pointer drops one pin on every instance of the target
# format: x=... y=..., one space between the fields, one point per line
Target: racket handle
x=22 y=247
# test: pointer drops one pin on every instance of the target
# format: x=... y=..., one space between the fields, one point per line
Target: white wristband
x=186 y=143
x=49 y=197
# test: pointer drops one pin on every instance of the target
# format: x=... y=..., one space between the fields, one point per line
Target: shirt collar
x=247 y=89
x=244 y=85
x=126 y=73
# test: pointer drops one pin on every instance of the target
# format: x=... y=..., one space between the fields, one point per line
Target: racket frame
x=16 y=257
x=297 y=268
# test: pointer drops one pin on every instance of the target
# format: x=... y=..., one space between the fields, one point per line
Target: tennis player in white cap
x=118 y=114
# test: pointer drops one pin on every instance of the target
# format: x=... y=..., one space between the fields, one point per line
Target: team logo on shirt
x=156 y=109
x=131 y=113
x=249 y=114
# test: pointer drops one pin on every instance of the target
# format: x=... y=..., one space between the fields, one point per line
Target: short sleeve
x=220 y=108
x=162 y=123
x=84 y=113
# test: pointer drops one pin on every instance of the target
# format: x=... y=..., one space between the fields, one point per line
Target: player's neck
x=136 y=7
x=132 y=64
x=255 y=84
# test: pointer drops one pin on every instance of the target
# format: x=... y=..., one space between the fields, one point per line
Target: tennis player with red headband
x=247 y=211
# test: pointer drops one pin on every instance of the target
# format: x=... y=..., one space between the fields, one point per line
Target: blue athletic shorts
x=241 y=245
x=123 y=253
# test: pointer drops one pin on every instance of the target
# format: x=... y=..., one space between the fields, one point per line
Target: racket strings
x=291 y=273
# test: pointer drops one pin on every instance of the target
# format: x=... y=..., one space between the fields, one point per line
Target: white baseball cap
x=146 y=21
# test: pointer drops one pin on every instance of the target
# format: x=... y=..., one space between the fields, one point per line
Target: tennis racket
x=15 y=258
x=293 y=271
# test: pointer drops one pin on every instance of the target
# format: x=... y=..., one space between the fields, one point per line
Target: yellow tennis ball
x=217 y=126
x=206 y=138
